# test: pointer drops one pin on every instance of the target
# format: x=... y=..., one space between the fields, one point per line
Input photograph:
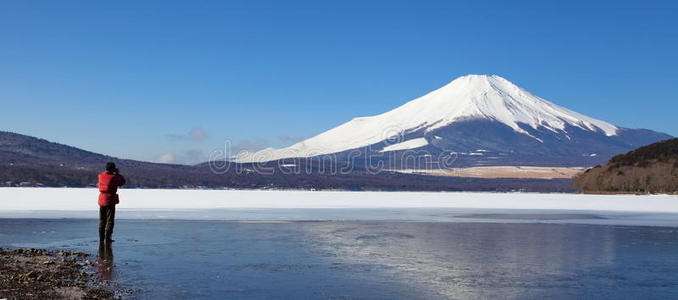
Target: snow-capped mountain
x=485 y=119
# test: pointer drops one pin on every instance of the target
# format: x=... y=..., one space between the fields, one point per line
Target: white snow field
x=409 y=144
x=75 y=199
x=26 y=201
x=86 y=199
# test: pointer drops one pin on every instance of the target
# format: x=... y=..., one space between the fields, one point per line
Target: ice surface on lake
x=334 y=205
x=86 y=199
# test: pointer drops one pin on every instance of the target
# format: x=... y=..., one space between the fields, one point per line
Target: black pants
x=106 y=221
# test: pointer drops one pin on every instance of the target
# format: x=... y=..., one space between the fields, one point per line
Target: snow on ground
x=78 y=199
x=409 y=144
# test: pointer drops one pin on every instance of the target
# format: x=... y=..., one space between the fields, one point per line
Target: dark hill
x=648 y=169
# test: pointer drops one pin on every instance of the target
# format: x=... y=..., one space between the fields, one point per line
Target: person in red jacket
x=109 y=181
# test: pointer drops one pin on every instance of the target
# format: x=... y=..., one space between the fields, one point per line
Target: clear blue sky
x=170 y=80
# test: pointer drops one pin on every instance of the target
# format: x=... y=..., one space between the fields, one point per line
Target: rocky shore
x=47 y=274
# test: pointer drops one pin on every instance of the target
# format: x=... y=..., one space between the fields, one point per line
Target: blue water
x=371 y=259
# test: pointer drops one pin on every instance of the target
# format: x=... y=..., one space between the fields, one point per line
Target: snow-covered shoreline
x=83 y=199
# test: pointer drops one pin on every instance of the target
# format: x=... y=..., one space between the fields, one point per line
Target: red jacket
x=108 y=188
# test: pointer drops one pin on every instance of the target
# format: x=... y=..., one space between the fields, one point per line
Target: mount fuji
x=482 y=120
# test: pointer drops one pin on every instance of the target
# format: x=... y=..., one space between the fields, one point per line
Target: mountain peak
x=481 y=81
x=480 y=77
x=494 y=97
x=487 y=97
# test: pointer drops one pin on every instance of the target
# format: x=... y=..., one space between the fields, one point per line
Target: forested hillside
x=649 y=169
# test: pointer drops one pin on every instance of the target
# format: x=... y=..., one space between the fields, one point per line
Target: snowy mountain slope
x=487 y=98
x=409 y=144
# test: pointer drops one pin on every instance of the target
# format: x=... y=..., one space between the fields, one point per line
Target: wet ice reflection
x=369 y=259
x=104 y=263
x=465 y=261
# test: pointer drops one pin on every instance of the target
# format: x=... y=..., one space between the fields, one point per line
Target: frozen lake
x=345 y=245
x=161 y=259
x=657 y=210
